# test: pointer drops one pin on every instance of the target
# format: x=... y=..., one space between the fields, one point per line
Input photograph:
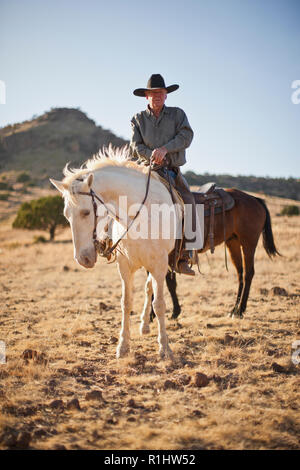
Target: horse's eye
x=85 y=213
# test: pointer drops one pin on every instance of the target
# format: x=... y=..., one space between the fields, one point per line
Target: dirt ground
x=63 y=388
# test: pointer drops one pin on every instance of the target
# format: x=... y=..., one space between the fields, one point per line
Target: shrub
x=23 y=177
x=290 y=210
x=4 y=185
x=4 y=196
x=45 y=213
x=39 y=239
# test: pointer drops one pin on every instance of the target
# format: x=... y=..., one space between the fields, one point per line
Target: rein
x=93 y=195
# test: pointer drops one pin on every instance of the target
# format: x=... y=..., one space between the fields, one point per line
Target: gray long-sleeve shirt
x=171 y=130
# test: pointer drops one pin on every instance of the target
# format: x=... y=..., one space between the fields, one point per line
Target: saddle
x=216 y=200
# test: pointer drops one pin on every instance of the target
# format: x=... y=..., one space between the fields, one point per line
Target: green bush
x=39 y=239
x=45 y=213
x=4 y=196
x=23 y=177
x=290 y=210
x=4 y=185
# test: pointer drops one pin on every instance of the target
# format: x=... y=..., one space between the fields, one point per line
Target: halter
x=99 y=247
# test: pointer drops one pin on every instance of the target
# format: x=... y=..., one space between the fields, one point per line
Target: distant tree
x=23 y=177
x=45 y=213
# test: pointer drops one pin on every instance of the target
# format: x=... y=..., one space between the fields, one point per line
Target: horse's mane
x=107 y=156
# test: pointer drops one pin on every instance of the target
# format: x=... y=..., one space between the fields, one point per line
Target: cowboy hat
x=155 y=82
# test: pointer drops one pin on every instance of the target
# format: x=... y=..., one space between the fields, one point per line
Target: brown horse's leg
x=248 y=252
x=172 y=284
x=234 y=247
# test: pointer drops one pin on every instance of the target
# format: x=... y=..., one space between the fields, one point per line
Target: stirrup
x=184 y=268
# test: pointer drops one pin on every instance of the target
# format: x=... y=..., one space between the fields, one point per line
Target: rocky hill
x=43 y=145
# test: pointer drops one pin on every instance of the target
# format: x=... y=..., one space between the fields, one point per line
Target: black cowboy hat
x=155 y=82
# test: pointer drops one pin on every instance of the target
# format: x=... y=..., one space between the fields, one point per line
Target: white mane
x=108 y=156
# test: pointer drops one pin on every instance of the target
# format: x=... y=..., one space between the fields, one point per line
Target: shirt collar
x=165 y=110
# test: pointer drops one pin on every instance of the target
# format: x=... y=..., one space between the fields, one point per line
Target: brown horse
x=244 y=224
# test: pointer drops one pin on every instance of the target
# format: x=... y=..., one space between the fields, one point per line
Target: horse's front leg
x=159 y=307
x=172 y=285
x=145 y=317
x=126 y=305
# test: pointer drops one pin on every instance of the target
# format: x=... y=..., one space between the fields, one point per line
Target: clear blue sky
x=235 y=61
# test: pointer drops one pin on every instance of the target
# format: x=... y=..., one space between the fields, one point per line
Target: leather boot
x=183 y=264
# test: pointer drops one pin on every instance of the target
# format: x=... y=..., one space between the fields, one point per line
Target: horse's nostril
x=86 y=260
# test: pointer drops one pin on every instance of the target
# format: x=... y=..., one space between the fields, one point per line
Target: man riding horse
x=161 y=134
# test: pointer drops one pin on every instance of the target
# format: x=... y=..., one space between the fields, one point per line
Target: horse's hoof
x=231 y=314
x=237 y=315
x=145 y=329
x=171 y=355
x=163 y=355
x=234 y=313
x=175 y=315
x=122 y=351
x=166 y=354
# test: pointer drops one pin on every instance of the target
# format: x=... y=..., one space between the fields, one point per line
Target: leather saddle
x=212 y=196
x=216 y=200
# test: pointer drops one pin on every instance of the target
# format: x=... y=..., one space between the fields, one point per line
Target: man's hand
x=158 y=155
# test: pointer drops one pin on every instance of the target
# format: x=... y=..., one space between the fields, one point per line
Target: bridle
x=101 y=248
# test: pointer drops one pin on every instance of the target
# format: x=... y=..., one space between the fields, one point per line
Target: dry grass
x=51 y=305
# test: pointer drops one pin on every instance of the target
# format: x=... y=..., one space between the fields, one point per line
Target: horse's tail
x=268 y=239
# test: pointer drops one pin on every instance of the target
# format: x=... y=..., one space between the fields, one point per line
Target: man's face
x=156 y=98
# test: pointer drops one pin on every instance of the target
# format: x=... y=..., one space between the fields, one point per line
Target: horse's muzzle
x=87 y=258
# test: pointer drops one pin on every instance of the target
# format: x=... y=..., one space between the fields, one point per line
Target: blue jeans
x=171 y=173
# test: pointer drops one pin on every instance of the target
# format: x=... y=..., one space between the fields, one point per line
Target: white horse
x=111 y=175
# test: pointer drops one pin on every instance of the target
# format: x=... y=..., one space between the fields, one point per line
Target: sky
x=234 y=60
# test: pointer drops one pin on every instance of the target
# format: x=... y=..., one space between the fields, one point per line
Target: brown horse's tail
x=268 y=239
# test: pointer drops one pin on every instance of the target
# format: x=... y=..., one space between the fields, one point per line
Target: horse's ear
x=90 y=180
x=58 y=184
